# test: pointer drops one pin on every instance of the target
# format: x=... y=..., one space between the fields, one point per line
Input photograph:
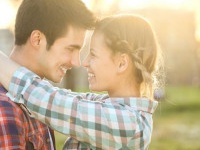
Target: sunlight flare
x=6 y=14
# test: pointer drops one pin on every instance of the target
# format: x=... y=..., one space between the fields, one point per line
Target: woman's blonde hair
x=134 y=35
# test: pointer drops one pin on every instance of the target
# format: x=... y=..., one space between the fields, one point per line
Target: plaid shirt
x=96 y=121
x=17 y=130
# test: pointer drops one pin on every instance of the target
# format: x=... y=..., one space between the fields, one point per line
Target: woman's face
x=101 y=65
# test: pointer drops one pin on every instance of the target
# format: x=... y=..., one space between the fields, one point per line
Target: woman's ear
x=35 y=38
x=123 y=62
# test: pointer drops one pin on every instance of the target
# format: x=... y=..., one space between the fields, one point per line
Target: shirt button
x=48 y=140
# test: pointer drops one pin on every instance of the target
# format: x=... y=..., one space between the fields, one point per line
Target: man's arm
x=8 y=67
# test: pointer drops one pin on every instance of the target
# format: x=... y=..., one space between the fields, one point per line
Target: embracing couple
x=123 y=60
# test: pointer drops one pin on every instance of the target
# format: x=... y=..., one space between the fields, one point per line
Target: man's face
x=62 y=55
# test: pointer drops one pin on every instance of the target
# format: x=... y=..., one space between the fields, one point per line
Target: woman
x=122 y=61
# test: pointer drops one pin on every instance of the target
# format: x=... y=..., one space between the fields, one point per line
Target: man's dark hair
x=51 y=17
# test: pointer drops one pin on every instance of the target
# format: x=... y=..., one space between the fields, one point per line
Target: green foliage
x=176 y=121
x=60 y=140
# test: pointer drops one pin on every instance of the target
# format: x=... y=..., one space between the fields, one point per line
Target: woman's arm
x=72 y=113
x=7 y=67
x=61 y=109
x=103 y=123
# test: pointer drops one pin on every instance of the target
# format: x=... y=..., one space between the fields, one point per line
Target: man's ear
x=35 y=38
x=123 y=62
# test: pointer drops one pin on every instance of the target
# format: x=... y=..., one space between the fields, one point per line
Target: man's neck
x=25 y=57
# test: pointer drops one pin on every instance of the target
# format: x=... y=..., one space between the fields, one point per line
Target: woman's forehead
x=98 y=39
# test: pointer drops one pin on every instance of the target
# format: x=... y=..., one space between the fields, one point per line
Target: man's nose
x=75 y=61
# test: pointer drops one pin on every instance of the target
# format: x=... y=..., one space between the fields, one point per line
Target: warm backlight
x=6 y=14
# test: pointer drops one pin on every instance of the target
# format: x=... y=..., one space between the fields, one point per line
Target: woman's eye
x=92 y=54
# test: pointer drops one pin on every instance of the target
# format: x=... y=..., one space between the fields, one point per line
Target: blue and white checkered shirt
x=96 y=121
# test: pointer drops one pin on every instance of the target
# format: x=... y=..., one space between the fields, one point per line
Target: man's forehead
x=75 y=29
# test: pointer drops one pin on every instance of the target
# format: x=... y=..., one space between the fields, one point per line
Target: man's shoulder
x=6 y=103
x=2 y=89
x=11 y=110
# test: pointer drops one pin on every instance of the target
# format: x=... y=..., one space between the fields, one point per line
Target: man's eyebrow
x=75 y=46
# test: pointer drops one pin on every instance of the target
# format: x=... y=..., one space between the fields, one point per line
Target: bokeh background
x=177 y=25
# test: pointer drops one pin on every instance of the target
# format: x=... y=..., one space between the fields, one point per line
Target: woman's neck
x=125 y=90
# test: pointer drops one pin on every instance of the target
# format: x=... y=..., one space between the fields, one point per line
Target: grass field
x=176 y=121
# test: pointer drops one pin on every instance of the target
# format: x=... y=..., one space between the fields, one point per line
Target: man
x=48 y=37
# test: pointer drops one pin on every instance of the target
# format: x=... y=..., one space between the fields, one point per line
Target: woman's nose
x=85 y=62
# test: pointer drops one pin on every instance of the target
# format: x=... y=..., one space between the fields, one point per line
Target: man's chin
x=55 y=80
x=58 y=80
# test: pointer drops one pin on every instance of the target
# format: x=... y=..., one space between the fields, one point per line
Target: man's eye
x=70 y=49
